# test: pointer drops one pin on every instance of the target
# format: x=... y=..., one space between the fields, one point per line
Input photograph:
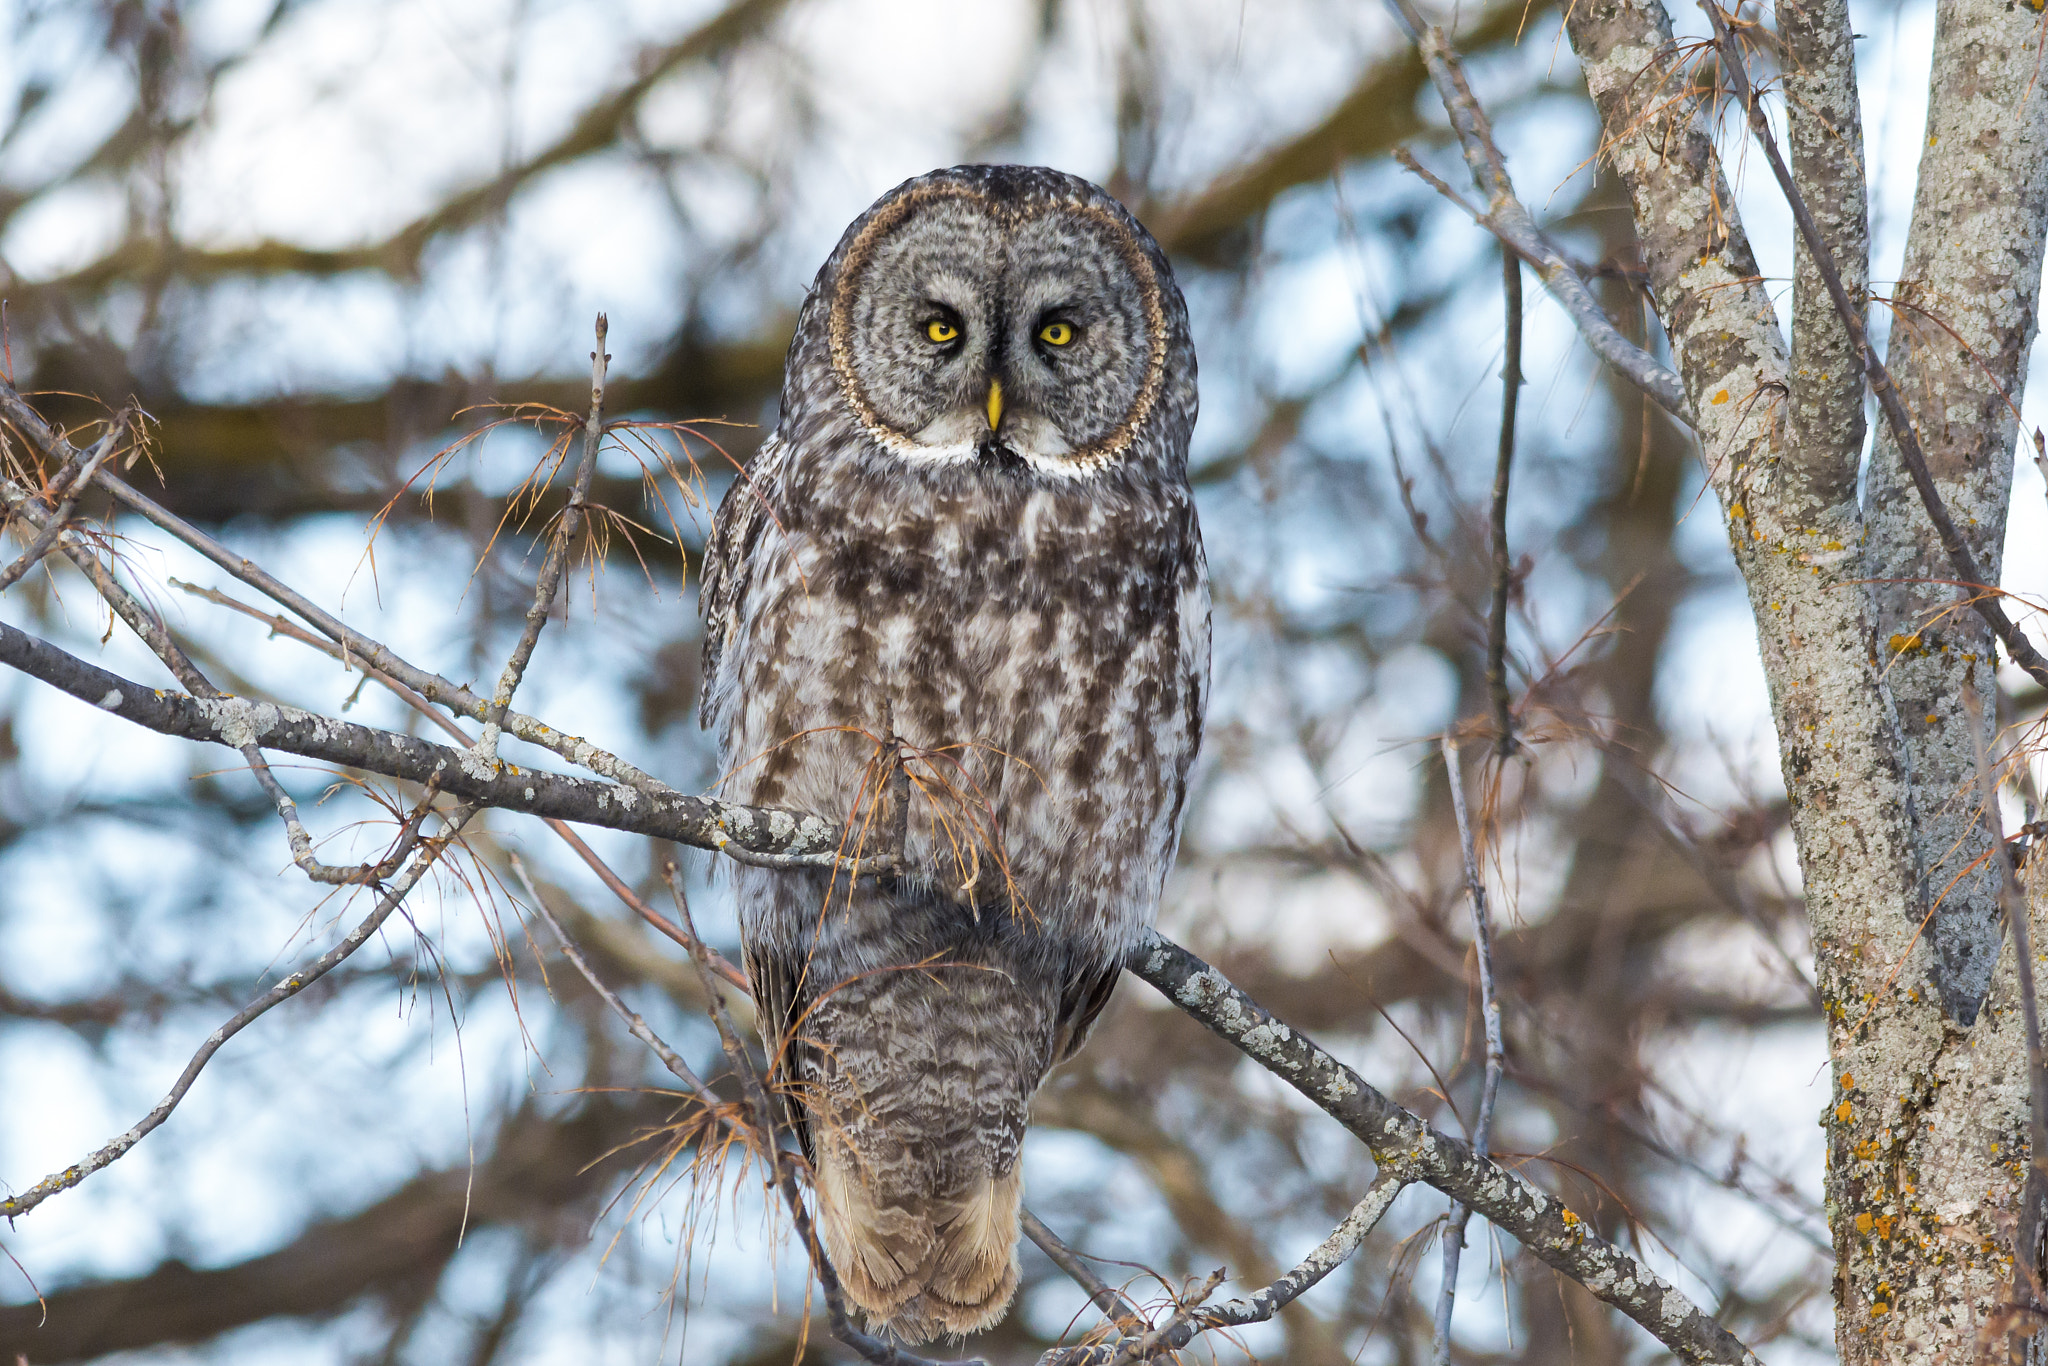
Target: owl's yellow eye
x=939 y=330
x=1056 y=334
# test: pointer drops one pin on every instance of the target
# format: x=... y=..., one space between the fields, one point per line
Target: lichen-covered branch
x=1539 y=1221
x=772 y=836
x=1194 y=1319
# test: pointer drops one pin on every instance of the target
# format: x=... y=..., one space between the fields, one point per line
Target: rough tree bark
x=1927 y=1120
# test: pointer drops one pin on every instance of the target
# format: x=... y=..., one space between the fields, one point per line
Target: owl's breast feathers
x=1002 y=677
x=1024 y=660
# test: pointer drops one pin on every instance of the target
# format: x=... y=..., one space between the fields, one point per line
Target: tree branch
x=69 y=481
x=1503 y=467
x=1181 y=1329
x=1489 y=1006
x=768 y=836
x=1507 y=219
x=16 y=1206
x=1551 y=1232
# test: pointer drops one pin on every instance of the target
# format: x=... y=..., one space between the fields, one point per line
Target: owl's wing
x=1080 y=1003
x=728 y=564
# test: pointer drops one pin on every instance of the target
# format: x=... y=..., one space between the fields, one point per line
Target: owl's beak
x=995 y=404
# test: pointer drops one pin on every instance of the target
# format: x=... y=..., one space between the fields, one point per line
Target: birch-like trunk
x=1927 y=1120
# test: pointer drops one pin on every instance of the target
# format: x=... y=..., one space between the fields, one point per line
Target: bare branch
x=1539 y=1221
x=776 y=837
x=153 y=633
x=452 y=822
x=635 y=1025
x=549 y=582
x=1113 y=1305
x=1191 y=1320
x=1489 y=1006
x=1504 y=464
x=1507 y=219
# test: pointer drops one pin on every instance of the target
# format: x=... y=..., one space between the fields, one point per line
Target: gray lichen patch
x=238 y=721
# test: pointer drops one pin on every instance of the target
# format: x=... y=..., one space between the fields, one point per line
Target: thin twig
x=1718 y=878
x=549 y=583
x=69 y=482
x=2033 y=1222
x=291 y=986
x=1106 y=1297
x=284 y=626
x=1196 y=1318
x=635 y=1025
x=1489 y=1005
x=1982 y=594
x=356 y=647
x=1504 y=464
x=1507 y=219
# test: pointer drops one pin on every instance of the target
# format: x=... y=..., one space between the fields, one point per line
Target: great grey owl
x=958 y=602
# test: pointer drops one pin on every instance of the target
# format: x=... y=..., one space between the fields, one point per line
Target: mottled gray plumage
x=973 y=625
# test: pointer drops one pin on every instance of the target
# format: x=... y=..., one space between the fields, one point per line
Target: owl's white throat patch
x=963 y=438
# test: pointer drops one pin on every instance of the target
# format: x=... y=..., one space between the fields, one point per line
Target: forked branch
x=1983 y=595
x=1191 y=1320
x=548 y=584
x=1509 y=220
x=394 y=895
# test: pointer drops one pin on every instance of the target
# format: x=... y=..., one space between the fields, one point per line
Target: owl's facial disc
x=969 y=330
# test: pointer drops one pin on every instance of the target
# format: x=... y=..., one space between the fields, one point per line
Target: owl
x=958 y=602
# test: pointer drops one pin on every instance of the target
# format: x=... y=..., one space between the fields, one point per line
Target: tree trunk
x=1926 y=1123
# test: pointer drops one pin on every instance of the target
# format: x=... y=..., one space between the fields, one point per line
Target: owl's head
x=1012 y=316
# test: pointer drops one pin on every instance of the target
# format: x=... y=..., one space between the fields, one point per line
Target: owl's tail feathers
x=925 y=1268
